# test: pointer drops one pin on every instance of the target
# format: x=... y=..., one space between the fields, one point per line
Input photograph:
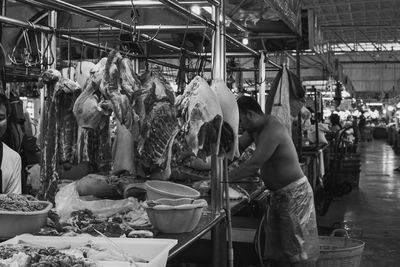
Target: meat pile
x=14 y=202
x=133 y=223
x=35 y=256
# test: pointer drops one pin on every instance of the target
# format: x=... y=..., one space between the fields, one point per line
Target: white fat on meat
x=82 y=72
x=230 y=112
x=199 y=106
x=68 y=73
x=123 y=152
x=86 y=110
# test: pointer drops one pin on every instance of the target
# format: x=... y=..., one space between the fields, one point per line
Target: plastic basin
x=14 y=223
x=163 y=189
x=175 y=215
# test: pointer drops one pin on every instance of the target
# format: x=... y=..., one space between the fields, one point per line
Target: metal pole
x=236 y=42
x=142 y=28
x=216 y=45
x=26 y=25
x=316 y=117
x=214 y=2
x=53 y=45
x=216 y=190
x=262 y=81
x=223 y=40
x=176 y=6
x=299 y=126
x=98 y=5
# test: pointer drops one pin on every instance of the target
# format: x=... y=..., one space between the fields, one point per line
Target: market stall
x=150 y=127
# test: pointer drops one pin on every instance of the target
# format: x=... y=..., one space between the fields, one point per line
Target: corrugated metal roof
x=358 y=21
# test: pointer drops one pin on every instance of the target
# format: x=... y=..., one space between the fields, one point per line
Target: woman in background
x=335 y=123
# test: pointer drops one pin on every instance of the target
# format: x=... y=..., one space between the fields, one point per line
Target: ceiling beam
x=366 y=11
x=353 y=2
x=371 y=62
x=372 y=20
x=351 y=26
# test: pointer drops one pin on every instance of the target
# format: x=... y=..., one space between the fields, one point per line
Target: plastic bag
x=67 y=200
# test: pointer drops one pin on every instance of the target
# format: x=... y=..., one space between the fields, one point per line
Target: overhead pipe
x=238 y=43
x=147 y=28
x=32 y=3
x=98 y=5
x=214 y=2
x=26 y=25
x=64 y=6
x=176 y=6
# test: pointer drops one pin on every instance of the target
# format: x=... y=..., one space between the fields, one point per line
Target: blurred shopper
x=336 y=126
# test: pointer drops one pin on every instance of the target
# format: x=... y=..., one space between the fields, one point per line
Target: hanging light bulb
x=245 y=41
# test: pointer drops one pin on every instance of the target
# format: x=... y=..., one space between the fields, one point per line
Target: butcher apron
x=290 y=224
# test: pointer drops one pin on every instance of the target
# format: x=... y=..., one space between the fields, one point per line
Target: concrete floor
x=372 y=212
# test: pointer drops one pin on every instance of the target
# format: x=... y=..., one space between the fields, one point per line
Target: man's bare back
x=275 y=154
x=283 y=167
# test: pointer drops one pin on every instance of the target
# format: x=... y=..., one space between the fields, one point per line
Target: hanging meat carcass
x=159 y=125
x=87 y=109
x=123 y=152
x=60 y=129
x=200 y=117
x=230 y=111
x=118 y=85
x=67 y=91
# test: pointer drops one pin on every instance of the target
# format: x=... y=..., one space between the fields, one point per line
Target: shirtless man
x=290 y=225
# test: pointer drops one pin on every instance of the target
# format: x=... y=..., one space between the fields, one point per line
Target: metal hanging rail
x=137 y=3
x=145 y=28
x=182 y=10
x=64 y=6
x=27 y=25
x=67 y=7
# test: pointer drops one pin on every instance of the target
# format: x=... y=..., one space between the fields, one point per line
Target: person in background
x=291 y=236
x=336 y=126
x=10 y=160
x=362 y=122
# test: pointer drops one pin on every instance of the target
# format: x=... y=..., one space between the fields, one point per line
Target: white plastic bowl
x=175 y=215
x=163 y=189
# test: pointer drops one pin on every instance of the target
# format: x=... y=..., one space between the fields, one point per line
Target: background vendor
x=290 y=227
x=10 y=160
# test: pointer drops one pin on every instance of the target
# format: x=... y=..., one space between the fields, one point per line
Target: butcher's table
x=216 y=223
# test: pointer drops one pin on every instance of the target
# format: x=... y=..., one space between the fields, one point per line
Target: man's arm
x=267 y=144
x=14 y=184
x=245 y=140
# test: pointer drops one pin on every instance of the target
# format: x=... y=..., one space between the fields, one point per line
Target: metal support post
x=299 y=125
x=53 y=45
x=263 y=84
